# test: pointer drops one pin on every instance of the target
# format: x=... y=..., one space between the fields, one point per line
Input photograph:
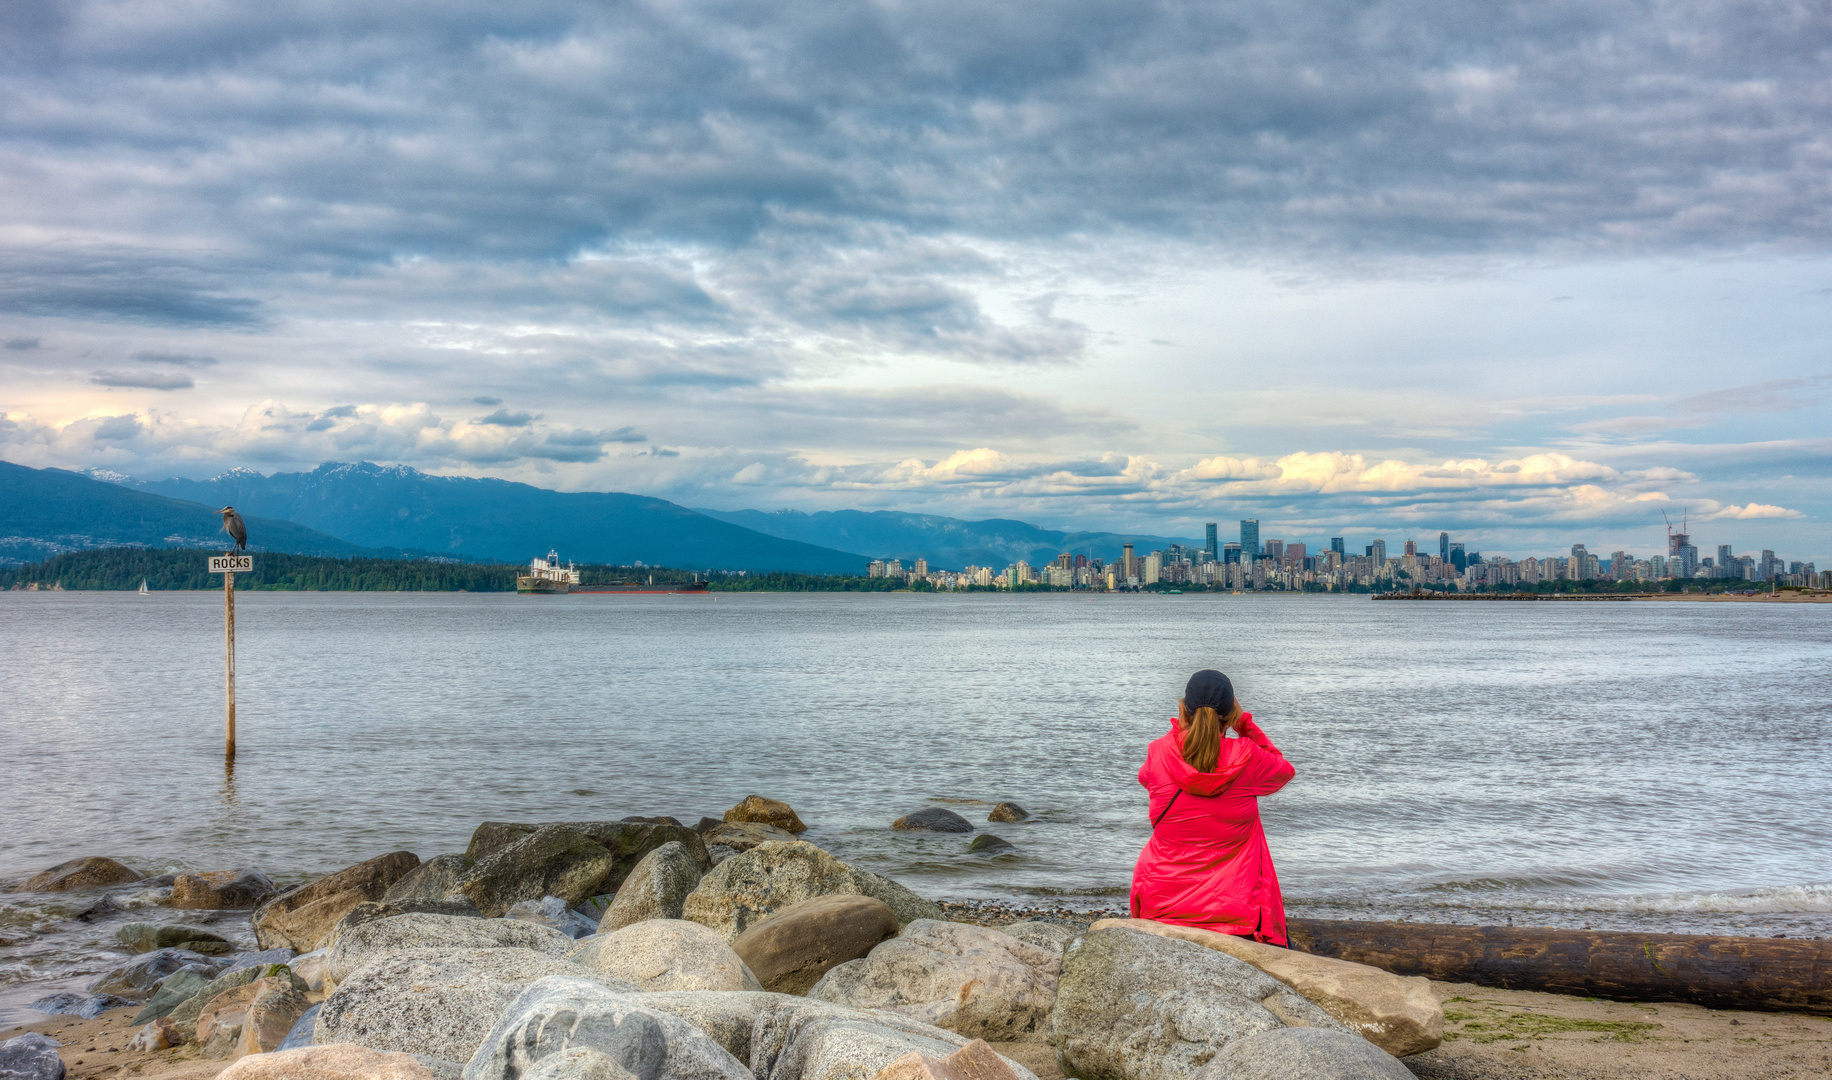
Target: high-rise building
x=1294 y=555
x=1154 y=568
x=1444 y=546
x=1378 y=552
x=1214 y=551
x=1335 y=545
x=1128 y=567
x=1249 y=538
x=1080 y=562
x=1726 y=562
x=1230 y=552
x=1275 y=550
x=1580 y=562
x=1457 y=558
x=1066 y=561
x=921 y=569
x=1621 y=566
x=1412 y=548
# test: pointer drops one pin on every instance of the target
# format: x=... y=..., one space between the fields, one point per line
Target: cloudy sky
x=1533 y=273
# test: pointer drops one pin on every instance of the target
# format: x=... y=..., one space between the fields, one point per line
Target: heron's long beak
x=225 y=509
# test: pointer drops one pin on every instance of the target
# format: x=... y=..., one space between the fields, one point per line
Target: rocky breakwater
x=781 y=962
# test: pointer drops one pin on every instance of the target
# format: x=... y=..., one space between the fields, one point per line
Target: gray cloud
x=22 y=344
x=143 y=380
x=505 y=418
x=175 y=359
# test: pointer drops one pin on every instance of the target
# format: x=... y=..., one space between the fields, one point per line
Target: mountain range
x=393 y=510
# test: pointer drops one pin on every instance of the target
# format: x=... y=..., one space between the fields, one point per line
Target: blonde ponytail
x=1202 y=734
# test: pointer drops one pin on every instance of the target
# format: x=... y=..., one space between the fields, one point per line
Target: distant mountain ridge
x=47 y=512
x=482 y=518
x=947 y=543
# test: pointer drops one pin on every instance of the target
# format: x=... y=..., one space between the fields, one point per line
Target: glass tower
x=1249 y=538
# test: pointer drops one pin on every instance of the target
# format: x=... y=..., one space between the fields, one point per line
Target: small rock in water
x=1008 y=812
x=756 y=808
x=553 y=911
x=656 y=889
x=87 y=1006
x=31 y=1057
x=301 y=1034
x=220 y=890
x=639 y=820
x=85 y=873
x=933 y=819
x=145 y=937
x=988 y=844
x=102 y=908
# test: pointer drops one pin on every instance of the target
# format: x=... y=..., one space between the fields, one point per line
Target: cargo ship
x=548 y=576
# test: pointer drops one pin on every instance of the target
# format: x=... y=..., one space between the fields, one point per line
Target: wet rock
x=745 y=888
x=744 y=835
x=656 y=889
x=988 y=844
x=264 y=958
x=160 y=1034
x=221 y=890
x=975 y=1061
x=933 y=819
x=138 y=976
x=552 y=911
x=339 y=1062
x=174 y=990
x=559 y=1014
x=1310 y=1053
x=30 y=1057
x=968 y=979
x=666 y=954
x=91 y=872
x=1008 y=812
x=1133 y=1006
x=145 y=937
x=101 y=909
x=807 y=1040
x=301 y=918
x=627 y=841
x=420 y=931
x=441 y=1002
x=250 y=1019
x=87 y=1006
x=435 y=879
x=764 y=811
x=792 y=948
x=301 y=1033
x=1400 y=1015
x=554 y=860
x=186 y=1014
x=635 y=819
x=1045 y=935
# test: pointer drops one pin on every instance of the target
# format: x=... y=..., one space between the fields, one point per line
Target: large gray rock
x=87 y=1006
x=553 y=860
x=627 y=841
x=373 y=910
x=1045 y=935
x=420 y=931
x=656 y=889
x=85 y=873
x=666 y=954
x=933 y=819
x=809 y=1040
x=791 y=949
x=1310 y=1053
x=301 y=919
x=136 y=977
x=438 y=1002
x=30 y=1057
x=435 y=879
x=745 y=888
x=561 y=1013
x=968 y=979
x=725 y=1016
x=1133 y=1006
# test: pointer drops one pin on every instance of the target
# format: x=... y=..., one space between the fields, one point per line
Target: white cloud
x=1754 y=511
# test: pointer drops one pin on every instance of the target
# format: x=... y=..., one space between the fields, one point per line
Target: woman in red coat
x=1206 y=864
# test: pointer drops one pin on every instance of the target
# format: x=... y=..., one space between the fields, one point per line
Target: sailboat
x=143 y=589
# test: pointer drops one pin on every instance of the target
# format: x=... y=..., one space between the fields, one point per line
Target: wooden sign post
x=229 y=566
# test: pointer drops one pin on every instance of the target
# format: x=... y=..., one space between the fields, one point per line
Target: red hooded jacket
x=1206 y=864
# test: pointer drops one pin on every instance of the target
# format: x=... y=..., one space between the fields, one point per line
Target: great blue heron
x=232 y=524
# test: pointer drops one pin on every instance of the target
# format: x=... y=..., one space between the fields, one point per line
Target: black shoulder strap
x=1166 y=810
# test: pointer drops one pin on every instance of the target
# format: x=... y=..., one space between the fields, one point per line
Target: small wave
x=1499 y=894
x=1050 y=890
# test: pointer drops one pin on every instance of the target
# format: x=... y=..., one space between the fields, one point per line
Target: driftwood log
x=1770 y=974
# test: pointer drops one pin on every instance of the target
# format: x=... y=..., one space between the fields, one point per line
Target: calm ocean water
x=1661 y=766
